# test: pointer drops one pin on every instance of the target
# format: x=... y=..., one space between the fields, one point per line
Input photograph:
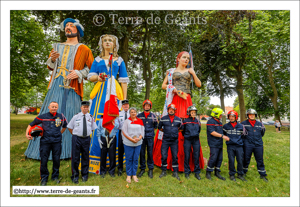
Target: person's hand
x=162 y=130
x=29 y=137
x=191 y=71
x=141 y=137
x=54 y=55
x=101 y=79
x=226 y=138
x=72 y=75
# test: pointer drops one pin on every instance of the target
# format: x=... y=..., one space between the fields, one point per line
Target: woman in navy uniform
x=235 y=150
x=81 y=127
x=215 y=138
x=191 y=128
x=52 y=123
x=170 y=125
x=150 y=124
x=253 y=142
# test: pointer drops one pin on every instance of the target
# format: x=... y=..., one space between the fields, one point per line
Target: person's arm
x=216 y=134
x=155 y=122
x=63 y=130
x=165 y=83
x=196 y=79
x=27 y=135
x=70 y=130
x=263 y=130
x=160 y=126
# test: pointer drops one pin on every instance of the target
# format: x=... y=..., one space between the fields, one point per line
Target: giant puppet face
x=106 y=41
x=71 y=30
x=183 y=59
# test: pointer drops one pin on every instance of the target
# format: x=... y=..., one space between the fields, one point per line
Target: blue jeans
x=132 y=159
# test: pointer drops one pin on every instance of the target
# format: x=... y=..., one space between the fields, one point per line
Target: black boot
x=150 y=173
x=120 y=172
x=217 y=174
x=232 y=178
x=175 y=174
x=187 y=176
x=163 y=173
x=208 y=175
x=264 y=178
x=241 y=177
x=197 y=176
x=141 y=173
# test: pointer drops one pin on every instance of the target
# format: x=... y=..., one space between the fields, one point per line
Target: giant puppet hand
x=54 y=55
x=72 y=75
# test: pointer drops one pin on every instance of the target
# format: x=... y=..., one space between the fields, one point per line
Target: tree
x=28 y=52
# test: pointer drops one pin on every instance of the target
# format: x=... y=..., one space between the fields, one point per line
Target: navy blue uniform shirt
x=254 y=134
x=51 y=126
x=191 y=128
x=170 y=128
x=211 y=126
x=234 y=133
x=150 y=124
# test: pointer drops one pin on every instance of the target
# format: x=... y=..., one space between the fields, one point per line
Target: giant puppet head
x=72 y=28
x=106 y=41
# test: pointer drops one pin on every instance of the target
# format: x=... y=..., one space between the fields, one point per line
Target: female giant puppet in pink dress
x=177 y=84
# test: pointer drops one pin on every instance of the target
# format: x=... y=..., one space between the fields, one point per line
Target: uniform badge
x=57 y=122
x=254 y=130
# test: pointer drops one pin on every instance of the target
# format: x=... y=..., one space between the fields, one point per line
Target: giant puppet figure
x=104 y=73
x=70 y=63
x=177 y=84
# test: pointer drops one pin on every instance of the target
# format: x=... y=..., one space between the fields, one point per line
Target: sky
x=228 y=100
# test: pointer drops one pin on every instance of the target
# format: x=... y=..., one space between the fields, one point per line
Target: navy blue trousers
x=80 y=145
x=120 y=151
x=111 y=154
x=164 y=154
x=45 y=149
x=147 y=142
x=259 y=157
x=196 y=153
x=215 y=159
x=235 y=152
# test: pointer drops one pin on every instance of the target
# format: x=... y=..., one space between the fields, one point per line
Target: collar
x=146 y=113
x=137 y=121
x=53 y=114
x=233 y=124
x=216 y=119
x=252 y=122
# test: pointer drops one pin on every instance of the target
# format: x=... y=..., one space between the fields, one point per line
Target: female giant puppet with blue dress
x=100 y=67
x=70 y=63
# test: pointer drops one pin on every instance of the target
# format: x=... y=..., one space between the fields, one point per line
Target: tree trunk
x=124 y=49
x=240 y=92
x=147 y=74
x=16 y=110
x=221 y=96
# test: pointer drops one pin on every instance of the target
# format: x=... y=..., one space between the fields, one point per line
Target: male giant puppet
x=70 y=63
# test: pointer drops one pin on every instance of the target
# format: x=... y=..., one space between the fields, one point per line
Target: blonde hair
x=115 y=49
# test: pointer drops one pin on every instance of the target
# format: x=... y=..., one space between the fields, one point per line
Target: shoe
x=112 y=175
x=150 y=173
x=56 y=180
x=103 y=175
x=197 y=176
x=244 y=175
x=43 y=183
x=264 y=178
x=84 y=179
x=120 y=172
x=232 y=178
x=208 y=175
x=217 y=174
x=163 y=173
x=175 y=175
x=75 y=181
x=187 y=176
x=241 y=177
x=141 y=173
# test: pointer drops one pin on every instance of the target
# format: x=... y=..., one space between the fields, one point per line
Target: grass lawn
x=25 y=172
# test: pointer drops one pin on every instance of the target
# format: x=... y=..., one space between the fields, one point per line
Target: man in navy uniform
x=170 y=125
x=235 y=150
x=107 y=143
x=215 y=142
x=191 y=128
x=253 y=142
x=81 y=127
x=52 y=123
x=150 y=124
x=123 y=115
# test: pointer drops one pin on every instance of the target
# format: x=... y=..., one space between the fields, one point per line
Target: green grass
x=25 y=172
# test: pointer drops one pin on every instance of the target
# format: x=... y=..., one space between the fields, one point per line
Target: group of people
x=176 y=144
